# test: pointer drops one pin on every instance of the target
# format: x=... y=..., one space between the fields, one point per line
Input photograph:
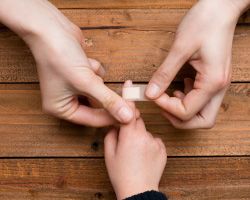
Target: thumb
x=97 y=67
x=162 y=78
x=111 y=101
x=110 y=143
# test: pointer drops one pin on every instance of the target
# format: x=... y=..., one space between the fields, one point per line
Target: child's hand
x=135 y=160
x=204 y=39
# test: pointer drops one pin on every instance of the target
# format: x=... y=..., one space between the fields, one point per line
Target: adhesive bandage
x=135 y=93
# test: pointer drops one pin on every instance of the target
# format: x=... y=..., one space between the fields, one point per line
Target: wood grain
x=26 y=131
x=142 y=19
x=90 y=4
x=42 y=157
x=130 y=4
x=126 y=54
x=192 y=178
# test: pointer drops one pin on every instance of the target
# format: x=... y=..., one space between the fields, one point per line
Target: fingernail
x=128 y=83
x=125 y=114
x=152 y=90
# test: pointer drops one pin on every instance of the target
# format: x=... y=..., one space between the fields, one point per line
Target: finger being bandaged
x=135 y=93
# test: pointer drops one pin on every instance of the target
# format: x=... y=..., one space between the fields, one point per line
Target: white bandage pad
x=135 y=93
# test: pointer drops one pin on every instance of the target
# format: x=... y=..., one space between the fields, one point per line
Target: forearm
x=27 y=17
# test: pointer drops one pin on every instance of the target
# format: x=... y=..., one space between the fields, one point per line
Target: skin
x=204 y=40
x=209 y=53
x=135 y=160
x=65 y=72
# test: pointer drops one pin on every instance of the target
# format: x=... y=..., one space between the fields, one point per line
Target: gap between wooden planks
x=27 y=132
x=183 y=178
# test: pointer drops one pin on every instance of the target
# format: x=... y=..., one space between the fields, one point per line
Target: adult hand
x=204 y=39
x=135 y=160
x=65 y=72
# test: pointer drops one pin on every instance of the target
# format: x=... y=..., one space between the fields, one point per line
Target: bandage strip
x=135 y=93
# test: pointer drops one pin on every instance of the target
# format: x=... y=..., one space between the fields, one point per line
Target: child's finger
x=129 y=83
x=140 y=125
x=126 y=130
x=110 y=143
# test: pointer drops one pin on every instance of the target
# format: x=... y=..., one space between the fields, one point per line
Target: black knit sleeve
x=149 y=195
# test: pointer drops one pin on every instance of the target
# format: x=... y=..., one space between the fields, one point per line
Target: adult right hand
x=204 y=40
x=65 y=72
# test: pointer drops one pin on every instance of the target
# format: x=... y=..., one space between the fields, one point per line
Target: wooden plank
x=131 y=4
x=26 y=131
x=133 y=18
x=148 y=19
x=143 y=19
x=123 y=3
x=184 y=178
x=144 y=35
x=126 y=54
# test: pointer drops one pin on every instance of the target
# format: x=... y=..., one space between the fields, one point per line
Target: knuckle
x=176 y=126
x=185 y=115
x=164 y=151
x=209 y=124
x=77 y=31
x=97 y=64
x=159 y=143
x=83 y=80
x=220 y=81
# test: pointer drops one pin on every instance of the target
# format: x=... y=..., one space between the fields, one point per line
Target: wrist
x=28 y=18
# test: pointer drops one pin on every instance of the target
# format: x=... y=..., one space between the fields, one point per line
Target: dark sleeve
x=149 y=195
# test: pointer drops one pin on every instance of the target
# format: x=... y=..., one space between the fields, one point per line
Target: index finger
x=178 y=55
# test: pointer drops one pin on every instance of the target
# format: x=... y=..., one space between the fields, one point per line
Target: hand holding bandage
x=204 y=40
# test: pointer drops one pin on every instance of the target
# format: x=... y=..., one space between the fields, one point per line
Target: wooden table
x=46 y=158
